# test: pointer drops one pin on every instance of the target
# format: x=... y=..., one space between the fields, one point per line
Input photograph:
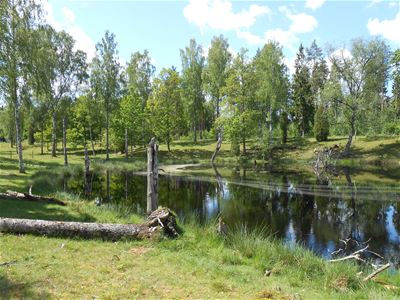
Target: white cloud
x=300 y=23
x=249 y=37
x=314 y=4
x=82 y=40
x=289 y=62
x=374 y=2
x=389 y=29
x=394 y=4
x=284 y=37
x=218 y=14
x=69 y=15
x=340 y=54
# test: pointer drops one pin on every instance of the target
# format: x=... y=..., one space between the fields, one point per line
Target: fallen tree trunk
x=161 y=221
x=29 y=197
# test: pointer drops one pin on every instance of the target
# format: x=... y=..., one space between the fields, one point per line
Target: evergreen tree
x=321 y=124
x=303 y=101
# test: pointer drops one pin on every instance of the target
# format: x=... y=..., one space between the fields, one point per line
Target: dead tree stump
x=152 y=176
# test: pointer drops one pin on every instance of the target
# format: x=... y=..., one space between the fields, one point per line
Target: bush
x=392 y=128
x=321 y=125
x=284 y=124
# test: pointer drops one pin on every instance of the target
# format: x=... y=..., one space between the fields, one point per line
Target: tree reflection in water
x=292 y=207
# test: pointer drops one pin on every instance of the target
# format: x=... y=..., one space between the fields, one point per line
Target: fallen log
x=29 y=197
x=161 y=221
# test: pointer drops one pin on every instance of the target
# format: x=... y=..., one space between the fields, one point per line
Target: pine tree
x=303 y=103
x=321 y=124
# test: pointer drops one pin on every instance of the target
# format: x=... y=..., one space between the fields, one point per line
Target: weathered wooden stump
x=152 y=176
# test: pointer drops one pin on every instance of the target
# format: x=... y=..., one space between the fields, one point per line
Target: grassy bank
x=375 y=153
x=199 y=264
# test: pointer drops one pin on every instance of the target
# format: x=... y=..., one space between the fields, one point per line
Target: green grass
x=199 y=264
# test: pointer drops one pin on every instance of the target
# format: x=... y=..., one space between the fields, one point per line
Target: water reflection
x=292 y=207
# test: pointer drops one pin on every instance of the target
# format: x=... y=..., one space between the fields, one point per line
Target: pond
x=292 y=206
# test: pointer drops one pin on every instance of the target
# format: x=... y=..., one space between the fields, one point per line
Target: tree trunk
x=217 y=148
x=108 y=185
x=29 y=197
x=31 y=134
x=169 y=142
x=161 y=221
x=54 y=136
x=107 y=141
x=42 y=140
x=18 y=127
x=194 y=133
x=87 y=173
x=65 y=141
x=152 y=176
x=91 y=140
x=126 y=143
x=352 y=130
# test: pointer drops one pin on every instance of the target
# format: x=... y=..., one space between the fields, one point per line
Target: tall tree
x=396 y=82
x=106 y=78
x=216 y=71
x=139 y=76
x=240 y=113
x=192 y=92
x=362 y=72
x=18 y=18
x=166 y=107
x=140 y=73
x=318 y=70
x=68 y=70
x=303 y=101
x=272 y=88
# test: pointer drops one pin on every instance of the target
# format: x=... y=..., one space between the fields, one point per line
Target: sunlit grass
x=198 y=264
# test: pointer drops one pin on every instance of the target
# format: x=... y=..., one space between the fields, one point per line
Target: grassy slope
x=197 y=265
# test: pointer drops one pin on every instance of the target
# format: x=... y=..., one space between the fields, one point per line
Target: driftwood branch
x=355 y=255
x=95 y=230
x=29 y=197
x=376 y=272
x=217 y=148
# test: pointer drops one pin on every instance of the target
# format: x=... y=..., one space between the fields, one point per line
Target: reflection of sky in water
x=211 y=205
x=301 y=212
x=290 y=235
x=393 y=235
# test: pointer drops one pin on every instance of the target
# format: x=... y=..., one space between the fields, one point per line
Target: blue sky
x=164 y=27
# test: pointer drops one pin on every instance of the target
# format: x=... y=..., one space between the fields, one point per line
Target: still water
x=292 y=207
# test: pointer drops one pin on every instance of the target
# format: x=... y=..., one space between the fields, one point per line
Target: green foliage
x=321 y=124
x=272 y=84
x=303 y=100
x=192 y=84
x=165 y=106
x=284 y=124
x=392 y=128
x=216 y=71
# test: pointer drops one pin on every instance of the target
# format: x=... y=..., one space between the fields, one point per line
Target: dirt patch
x=140 y=250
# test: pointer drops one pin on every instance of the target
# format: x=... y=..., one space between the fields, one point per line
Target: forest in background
x=51 y=92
